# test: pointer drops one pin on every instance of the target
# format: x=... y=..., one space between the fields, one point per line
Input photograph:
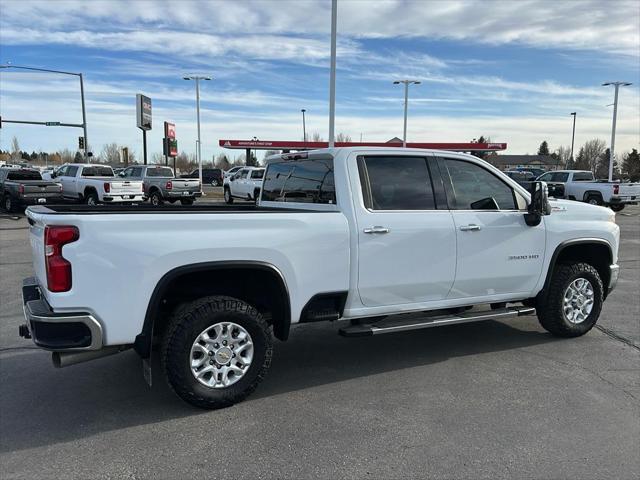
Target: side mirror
x=539 y=204
x=53 y=175
x=121 y=174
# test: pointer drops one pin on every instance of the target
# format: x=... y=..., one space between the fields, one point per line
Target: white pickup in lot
x=363 y=235
x=581 y=185
x=93 y=184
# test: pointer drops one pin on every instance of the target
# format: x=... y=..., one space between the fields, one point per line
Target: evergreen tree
x=631 y=165
x=544 y=148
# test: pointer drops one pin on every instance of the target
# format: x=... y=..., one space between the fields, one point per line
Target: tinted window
x=96 y=171
x=559 y=177
x=257 y=174
x=24 y=175
x=70 y=171
x=244 y=173
x=306 y=181
x=159 y=172
x=583 y=177
x=471 y=187
x=396 y=183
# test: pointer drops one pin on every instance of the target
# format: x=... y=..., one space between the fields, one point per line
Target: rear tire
x=91 y=199
x=617 y=208
x=186 y=201
x=155 y=199
x=574 y=300
x=193 y=347
x=7 y=204
x=215 y=183
x=594 y=200
x=227 y=196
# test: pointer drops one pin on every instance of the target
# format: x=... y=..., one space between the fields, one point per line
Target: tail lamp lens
x=169 y=185
x=21 y=189
x=107 y=187
x=58 y=268
x=616 y=189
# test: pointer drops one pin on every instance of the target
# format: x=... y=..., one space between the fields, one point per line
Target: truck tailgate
x=629 y=190
x=185 y=184
x=126 y=187
x=36 y=240
x=40 y=187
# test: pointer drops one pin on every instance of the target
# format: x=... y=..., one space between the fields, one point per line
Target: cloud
x=579 y=24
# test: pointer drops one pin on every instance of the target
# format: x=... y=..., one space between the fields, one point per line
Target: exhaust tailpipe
x=64 y=359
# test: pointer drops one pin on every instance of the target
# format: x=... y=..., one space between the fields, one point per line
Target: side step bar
x=401 y=323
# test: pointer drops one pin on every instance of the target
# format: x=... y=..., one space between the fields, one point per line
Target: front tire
x=227 y=196
x=216 y=351
x=574 y=300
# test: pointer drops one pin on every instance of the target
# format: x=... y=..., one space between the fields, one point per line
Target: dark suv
x=210 y=176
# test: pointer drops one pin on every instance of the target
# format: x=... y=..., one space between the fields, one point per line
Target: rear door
x=498 y=253
x=240 y=184
x=406 y=244
x=68 y=178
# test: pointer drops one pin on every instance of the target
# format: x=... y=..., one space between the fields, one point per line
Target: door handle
x=376 y=229
x=472 y=227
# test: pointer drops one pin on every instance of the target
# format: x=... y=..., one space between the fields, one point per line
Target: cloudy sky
x=511 y=70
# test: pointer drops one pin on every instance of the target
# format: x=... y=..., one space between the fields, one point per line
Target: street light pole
x=573 y=135
x=304 y=127
x=332 y=79
x=406 y=105
x=84 y=113
x=197 y=79
x=613 y=126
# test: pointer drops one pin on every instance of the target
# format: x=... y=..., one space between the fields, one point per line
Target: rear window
x=97 y=171
x=304 y=181
x=159 y=172
x=24 y=175
x=582 y=177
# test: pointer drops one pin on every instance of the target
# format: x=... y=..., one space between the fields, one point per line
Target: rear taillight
x=58 y=268
x=21 y=189
x=169 y=185
x=107 y=187
x=616 y=189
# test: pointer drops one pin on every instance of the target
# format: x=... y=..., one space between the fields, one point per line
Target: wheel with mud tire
x=216 y=350
x=617 y=207
x=573 y=302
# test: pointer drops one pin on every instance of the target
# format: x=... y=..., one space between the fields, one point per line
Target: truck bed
x=146 y=209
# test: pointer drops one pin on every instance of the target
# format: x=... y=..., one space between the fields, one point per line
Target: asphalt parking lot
x=485 y=400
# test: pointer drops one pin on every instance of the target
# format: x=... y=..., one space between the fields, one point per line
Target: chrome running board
x=406 y=322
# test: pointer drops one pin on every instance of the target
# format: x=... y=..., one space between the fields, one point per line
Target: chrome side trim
x=613 y=277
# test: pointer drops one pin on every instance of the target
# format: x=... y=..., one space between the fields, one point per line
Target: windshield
x=159 y=172
x=23 y=175
x=97 y=171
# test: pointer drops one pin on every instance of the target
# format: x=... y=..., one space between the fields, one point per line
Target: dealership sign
x=170 y=142
x=143 y=112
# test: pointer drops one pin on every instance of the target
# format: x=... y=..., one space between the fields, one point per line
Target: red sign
x=297 y=145
x=170 y=139
x=169 y=130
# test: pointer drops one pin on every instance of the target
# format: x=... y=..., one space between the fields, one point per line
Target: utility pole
x=573 y=135
x=332 y=79
x=613 y=126
x=304 y=127
x=406 y=105
x=197 y=79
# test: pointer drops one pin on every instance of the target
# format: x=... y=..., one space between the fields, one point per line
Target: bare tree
x=343 y=137
x=15 y=148
x=316 y=137
x=67 y=155
x=222 y=162
x=592 y=150
x=563 y=155
x=111 y=153
x=156 y=158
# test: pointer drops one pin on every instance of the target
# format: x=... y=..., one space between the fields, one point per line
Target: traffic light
x=81 y=143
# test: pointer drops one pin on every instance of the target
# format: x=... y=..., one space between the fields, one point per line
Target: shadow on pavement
x=40 y=405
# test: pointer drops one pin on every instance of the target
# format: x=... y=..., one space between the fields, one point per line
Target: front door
x=406 y=246
x=498 y=253
x=67 y=177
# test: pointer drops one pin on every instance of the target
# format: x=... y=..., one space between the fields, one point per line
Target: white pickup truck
x=379 y=239
x=581 y=185
x=94 y=184
x=244 y=184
